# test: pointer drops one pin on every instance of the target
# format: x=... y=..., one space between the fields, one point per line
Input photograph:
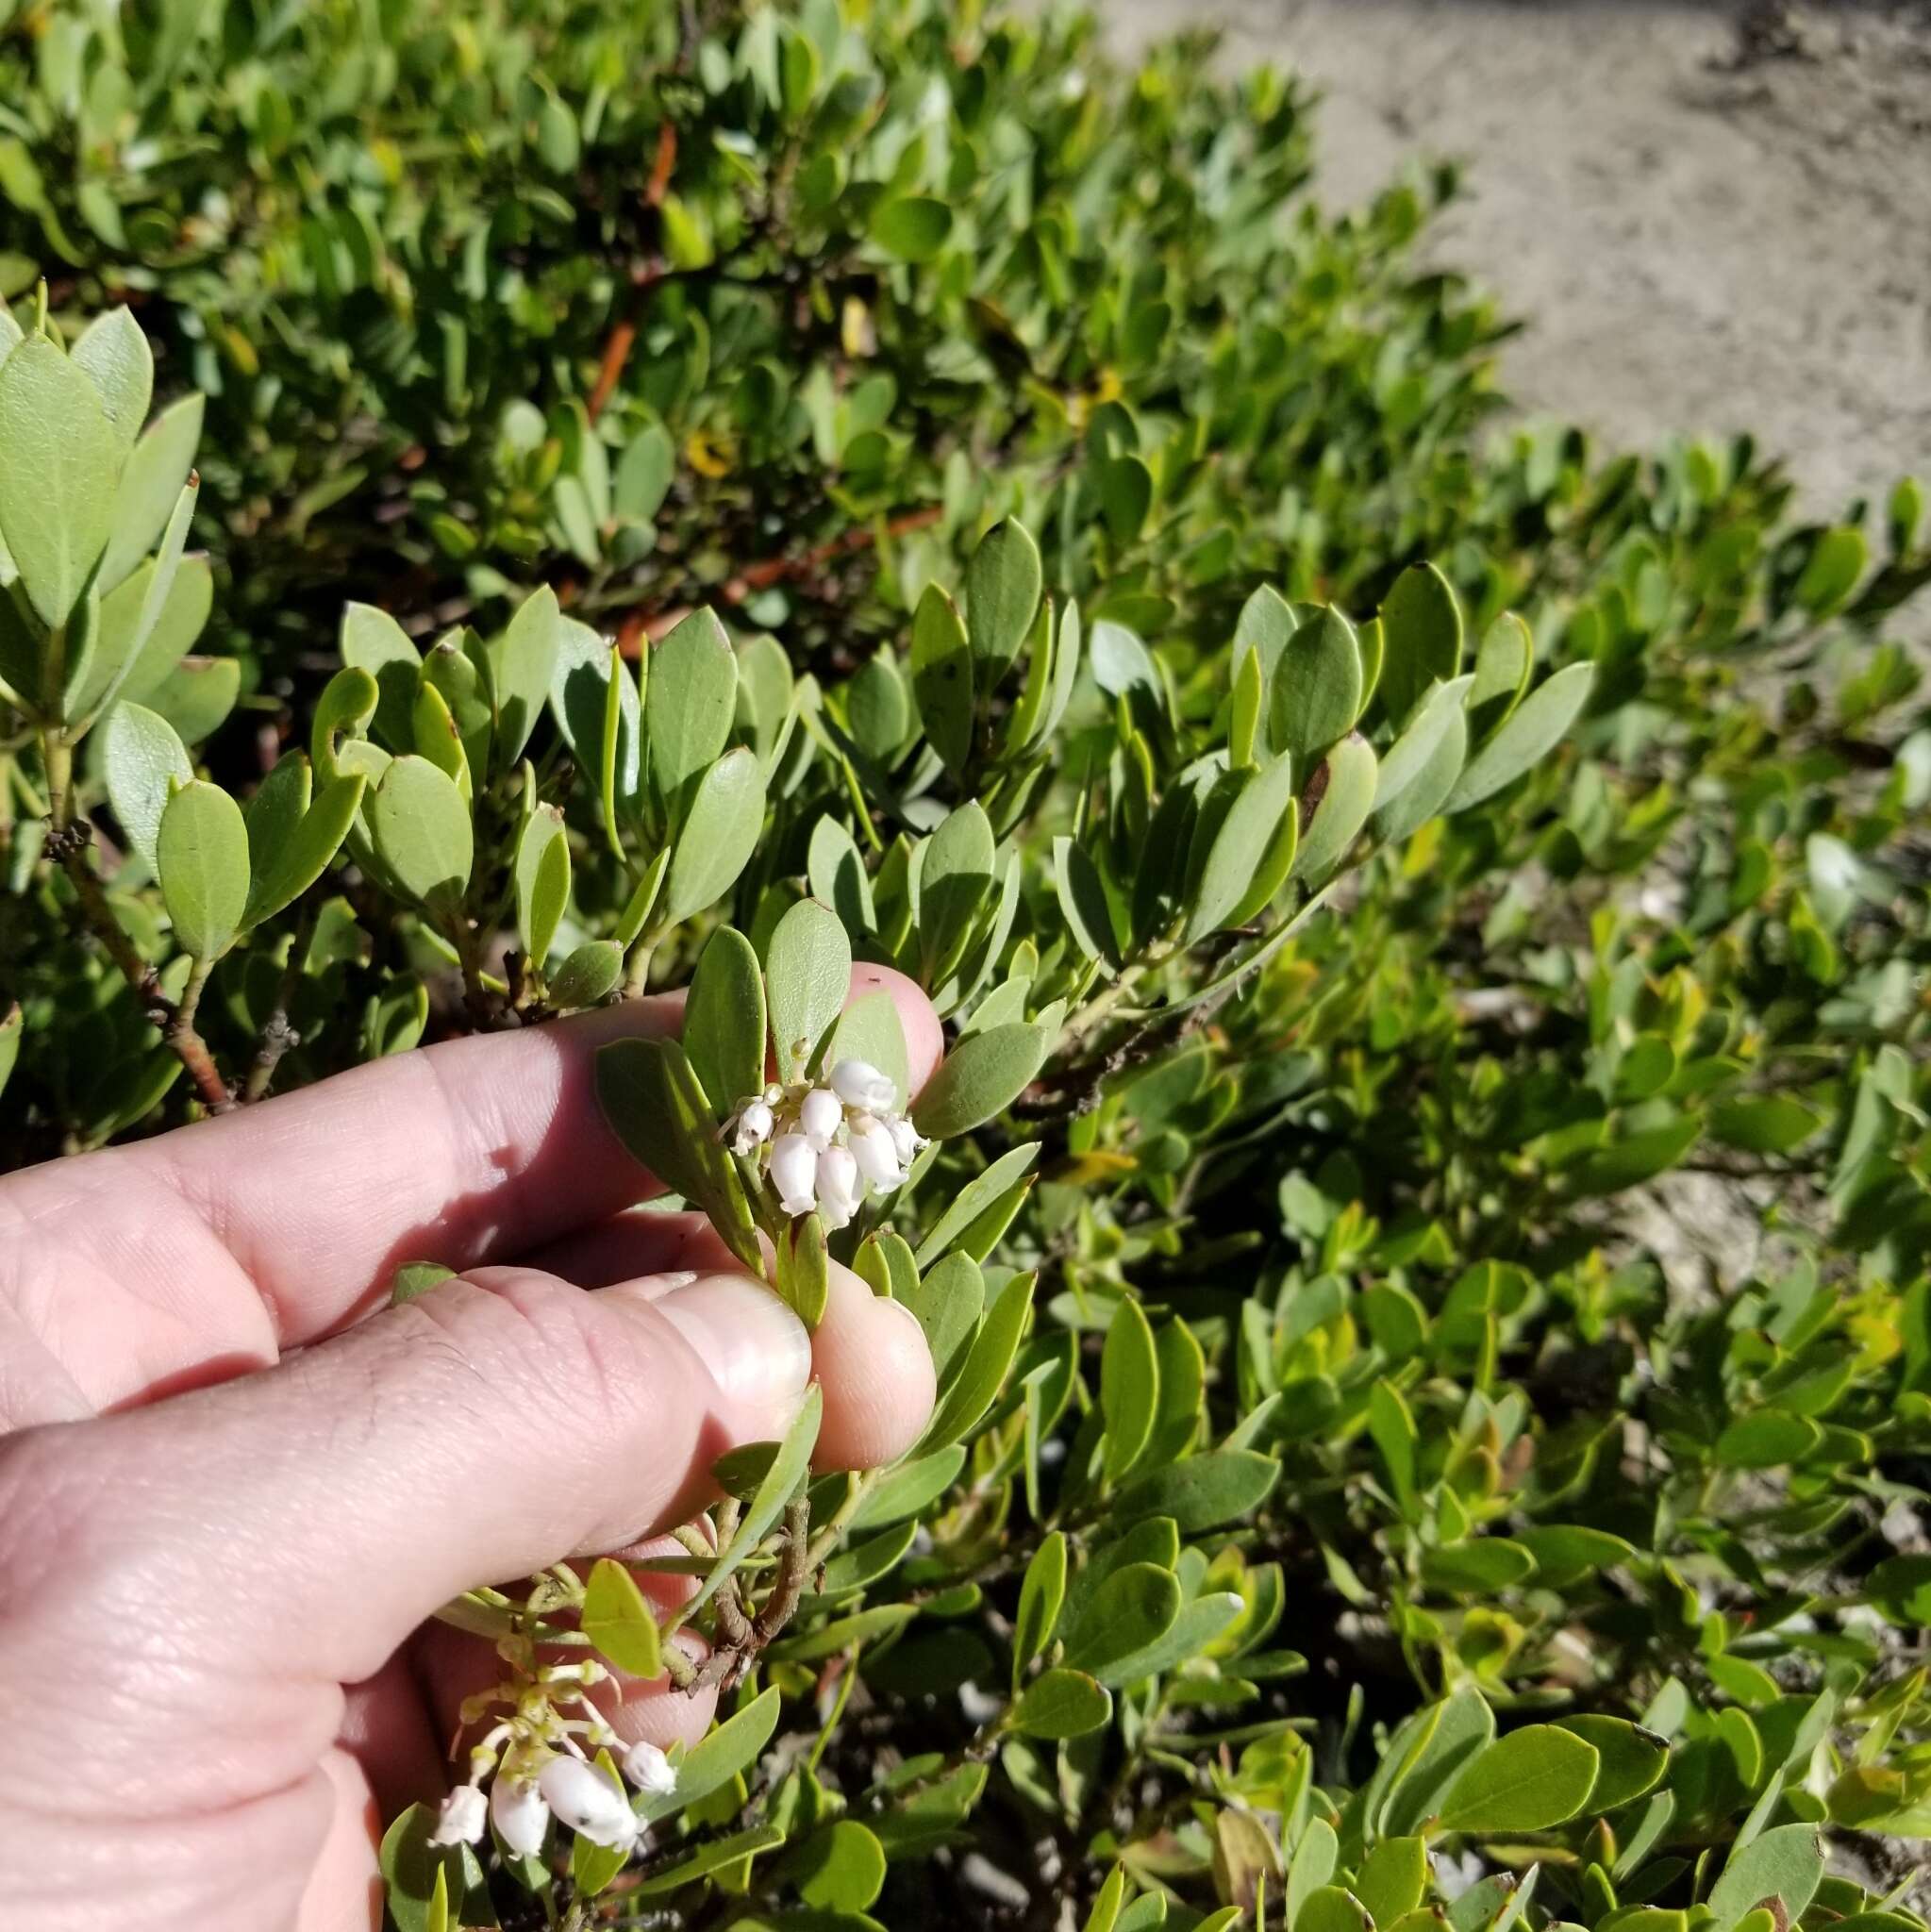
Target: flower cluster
x=579 y=1794
x=825 y=1148
x=542 y=1771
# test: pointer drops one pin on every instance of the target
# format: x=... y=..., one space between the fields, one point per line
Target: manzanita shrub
x=1423 y=1221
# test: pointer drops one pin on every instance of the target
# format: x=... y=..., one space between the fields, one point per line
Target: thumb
x=495 y=1425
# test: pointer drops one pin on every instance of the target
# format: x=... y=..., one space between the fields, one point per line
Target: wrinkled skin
x=233 y=1482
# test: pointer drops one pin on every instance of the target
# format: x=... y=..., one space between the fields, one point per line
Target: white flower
x=839 y=1190
x=520 y=1815
x=590 y=1804
x=754 y=1127
x=650 y=1771
x=906 y=1139
x=820 y=1116
x=794 y=1173
x=859 y=1083
x=876 y=1153
x=460 y=1822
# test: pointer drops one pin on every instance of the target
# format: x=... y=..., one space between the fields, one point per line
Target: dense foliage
x=1425 y=1237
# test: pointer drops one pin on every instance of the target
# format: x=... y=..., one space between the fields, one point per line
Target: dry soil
x=1712 y=217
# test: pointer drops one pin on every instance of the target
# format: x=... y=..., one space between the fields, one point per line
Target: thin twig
x=70 y=838
x=277 y=1036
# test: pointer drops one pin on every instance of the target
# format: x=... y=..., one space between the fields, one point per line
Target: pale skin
x=235 y=1485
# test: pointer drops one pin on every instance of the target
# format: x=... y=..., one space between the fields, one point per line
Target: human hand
x=219 y=1540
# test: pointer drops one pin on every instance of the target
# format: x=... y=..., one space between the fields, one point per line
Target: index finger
x=471 y=1151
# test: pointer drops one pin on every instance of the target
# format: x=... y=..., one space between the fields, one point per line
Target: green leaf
x=1527 y=1780
x=372 y=640
x=976 y=1197
x=11 y=1027
x=1505 y=662
x=1637 y=1157
x=1240 y=846
x=725 y=815
x=201 y=853
x=1082 y=903
x=836 y=869
x=1427 y=1753
x=523 y=662
x=588 y=976
x=1313 y=1864
x=542 y=875
x=1481 y=1566
x=1124 y=486
x=840 y=1868
x=869 y=1029
x=980 y=1078
x=1776 y=1125
x=1421 y=623
x=874 y=1623
x=1529 y=733
x=1766 y=1438
x=1342 y=791
x=1786 y=1864
x=644 y=475
x=984 y=1374
x=1199 y=1622
x=910 y=1488
x=113 y=355
x=943 y=676
x=415 y=1872
x=1042 y=1592
x=1002 y=587
x=1426 y=794
x=803 y=1275
x=1203 y=1492
x=1060 y=1703
x=182 y=618
x=423 y=836
x=724 y=1020
x=130 y=618
x=808 y=972
x=1393 y=1878
x=1316 y=694
x=732 y=1747
x=955 y=880
x=1129 y=1387
x=1134 y=1607
x=655 y=1106
x=691 y=698
x=142 y=758
x=789 y=1468
x=286 y=860
x=1835 y=562
x=151 y=483
x=1564 y=1552
x=1414 y=751
x=1393 y=1431
x=946 y=1302
x=620 y=1625
x=912 y=227
x=1633 y=1759
x=59 y=467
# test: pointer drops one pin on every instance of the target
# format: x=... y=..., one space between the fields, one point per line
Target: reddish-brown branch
x=623 y=336
x=638 y=625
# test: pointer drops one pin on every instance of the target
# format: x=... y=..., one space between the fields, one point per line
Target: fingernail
x=755 y=1348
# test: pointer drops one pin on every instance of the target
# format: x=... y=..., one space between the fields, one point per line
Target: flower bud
x=754 y=1127
x=839 y=1190
x=859 y=1083
x=460 y=1822
x=906 y=1139
x=520 y=1815
x=876 y=1152
x=794 y=1173
x=650 y=1771
x=590 y=1803
x=820 y=1116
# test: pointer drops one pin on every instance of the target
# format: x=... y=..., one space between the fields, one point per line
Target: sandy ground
x=1704 y=231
